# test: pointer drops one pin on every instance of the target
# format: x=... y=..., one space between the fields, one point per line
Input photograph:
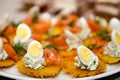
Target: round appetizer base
x=6 y=63
x=47 y=71
x=68 y=67
x=108 y=59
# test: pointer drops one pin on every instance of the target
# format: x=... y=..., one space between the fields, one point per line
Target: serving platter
x=12 y=72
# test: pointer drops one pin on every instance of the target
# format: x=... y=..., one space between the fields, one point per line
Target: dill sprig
x=52 y=46
x=18 y=48
x=35 y=17
x=104 y=34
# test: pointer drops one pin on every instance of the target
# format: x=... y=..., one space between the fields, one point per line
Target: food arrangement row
x=42 y=45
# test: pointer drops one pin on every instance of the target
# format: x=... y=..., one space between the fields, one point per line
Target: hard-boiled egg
x=82 y=22
x=35 y=50
x=45 y=16
x=115 y=24
x=115 y=37
x=1 y=44
x=85 y=32
x=23 y=32
x=85 y=55
x=70 y=35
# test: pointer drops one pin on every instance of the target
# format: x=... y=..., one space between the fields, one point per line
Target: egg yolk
x=85 y=54
x=34 y=50
x=117 y=37
x=22 y=32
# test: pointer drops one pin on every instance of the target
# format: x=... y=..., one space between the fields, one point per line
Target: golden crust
x=6 y=63
x=68 y=67
x=65 y=54
x=48 y=71
x=108 y=59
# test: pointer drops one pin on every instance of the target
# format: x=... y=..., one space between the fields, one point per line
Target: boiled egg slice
x=85 y=55
x=115 y=37
x=23 y=32
x=35 y=50
x=1 y=44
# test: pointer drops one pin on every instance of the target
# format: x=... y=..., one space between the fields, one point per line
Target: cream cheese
x=32 y=63
x=3 y=54
x=91 y=66
x=112 y=49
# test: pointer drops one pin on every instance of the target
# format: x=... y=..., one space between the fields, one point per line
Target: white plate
x=13 y=73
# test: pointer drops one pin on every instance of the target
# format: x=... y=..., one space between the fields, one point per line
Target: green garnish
x=97 y=20
x=52 y=46
x=15 y=24
x=52 y=36
x=91 y=46
x=104 y=34
x=99 y=46
x=94 y=62
x=84 y=65
x=18 y=48
x=71 y=24
x=4 y=34
x=35 y=17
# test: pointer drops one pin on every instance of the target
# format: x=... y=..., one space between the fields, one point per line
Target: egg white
x=69 y=34
x=46 y=16
x=92 y=54
x=113 y=37
x=27 y=37
x=40 y=53
x=1 y=44
x=115 y=24
x=82 y=22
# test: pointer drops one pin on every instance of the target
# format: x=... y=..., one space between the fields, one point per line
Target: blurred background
x=104 y=8
x=17 y=8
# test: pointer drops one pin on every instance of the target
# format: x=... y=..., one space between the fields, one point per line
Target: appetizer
x=111 y=53
x=22 y=38
x=39 y=62
x=86 y=63
x=8 y=56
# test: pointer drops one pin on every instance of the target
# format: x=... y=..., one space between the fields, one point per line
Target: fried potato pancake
x=6 y=63
x=108 y=59
x=48 y=71
x=68 y=67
